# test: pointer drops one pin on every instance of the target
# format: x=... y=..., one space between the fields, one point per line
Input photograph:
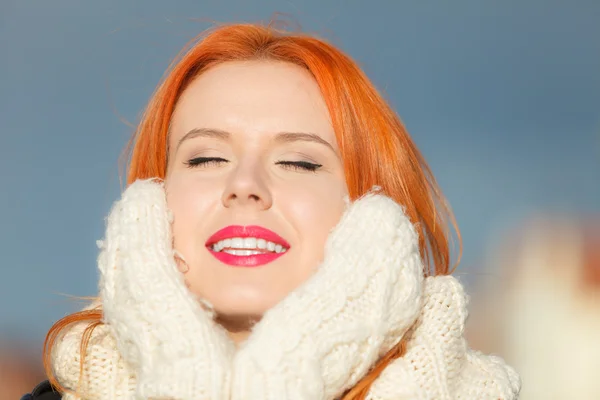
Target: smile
x=246 y=246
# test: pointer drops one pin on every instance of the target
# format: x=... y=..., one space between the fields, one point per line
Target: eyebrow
x=289 y=137
x=281 y=137
x=203 y=132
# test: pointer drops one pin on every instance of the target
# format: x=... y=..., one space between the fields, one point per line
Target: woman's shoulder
x=43 y=391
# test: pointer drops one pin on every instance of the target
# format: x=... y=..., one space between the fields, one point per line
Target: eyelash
x=205 y=161
x=214 y=161
x=300 y=165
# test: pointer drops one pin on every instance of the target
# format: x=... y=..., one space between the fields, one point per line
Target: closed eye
x=216 y=161
x=205 y=162
x=299 y=165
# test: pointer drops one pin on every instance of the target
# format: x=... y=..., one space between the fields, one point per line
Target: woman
x=281 y=238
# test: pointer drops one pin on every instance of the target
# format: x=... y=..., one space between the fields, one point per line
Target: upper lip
x=233 y=231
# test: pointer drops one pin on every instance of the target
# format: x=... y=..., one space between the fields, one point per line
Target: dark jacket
x=43 y=391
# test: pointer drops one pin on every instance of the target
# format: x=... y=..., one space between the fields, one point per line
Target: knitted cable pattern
x=162 y=331
x=106 y=375
x=362 y=298
x=438 y=363
x=159 y=341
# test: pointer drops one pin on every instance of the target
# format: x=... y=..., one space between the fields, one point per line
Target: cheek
x=190 y=204
x=314 y=214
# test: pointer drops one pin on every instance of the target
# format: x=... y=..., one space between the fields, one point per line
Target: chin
x=241 y=307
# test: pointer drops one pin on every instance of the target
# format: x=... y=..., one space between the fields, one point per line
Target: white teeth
x=237 y=252
x=238 y=246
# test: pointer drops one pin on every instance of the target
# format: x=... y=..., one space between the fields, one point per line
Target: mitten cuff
x=183 y=379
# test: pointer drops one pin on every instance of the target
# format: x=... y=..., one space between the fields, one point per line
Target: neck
x=238 y=327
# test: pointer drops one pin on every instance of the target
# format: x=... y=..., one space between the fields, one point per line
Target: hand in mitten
x=324 y=336
x=164 y=332
x=438 y=364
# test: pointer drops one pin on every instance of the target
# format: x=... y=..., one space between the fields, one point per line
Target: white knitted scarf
x=158 y=341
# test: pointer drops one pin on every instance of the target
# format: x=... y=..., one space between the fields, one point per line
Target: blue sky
x=503 y=98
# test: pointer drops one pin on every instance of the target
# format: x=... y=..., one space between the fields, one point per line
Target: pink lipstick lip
x=233 y=231
x=253 y=260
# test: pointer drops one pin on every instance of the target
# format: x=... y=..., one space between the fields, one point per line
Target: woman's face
x=255 y=183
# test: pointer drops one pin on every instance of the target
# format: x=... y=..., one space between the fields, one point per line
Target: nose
x=247 y=186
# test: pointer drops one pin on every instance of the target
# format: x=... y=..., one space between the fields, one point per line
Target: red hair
x=375 y=147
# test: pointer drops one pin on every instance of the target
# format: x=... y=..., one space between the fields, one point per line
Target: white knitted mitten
x=165 y=334
x=324 y=336
x=438 y=364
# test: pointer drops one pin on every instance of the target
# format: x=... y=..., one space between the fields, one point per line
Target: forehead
x=253 y=97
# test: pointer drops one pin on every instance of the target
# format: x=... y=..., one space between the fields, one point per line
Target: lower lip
x=255 y=260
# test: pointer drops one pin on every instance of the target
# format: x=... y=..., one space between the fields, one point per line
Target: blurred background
x=503 y=98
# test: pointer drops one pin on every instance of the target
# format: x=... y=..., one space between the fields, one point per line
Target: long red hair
x=375 y=147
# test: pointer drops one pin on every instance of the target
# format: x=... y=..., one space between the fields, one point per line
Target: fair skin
x=263 y=150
